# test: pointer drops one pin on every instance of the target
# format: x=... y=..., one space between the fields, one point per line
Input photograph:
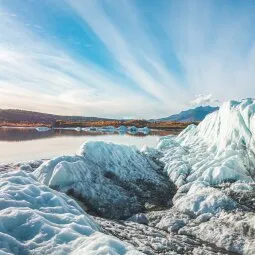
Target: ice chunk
x=132 y=129
x=201 y=199
x=122 y=129
x=112 y=180
x=38 y=220
x=92 y=129
x=220 y=149
x=107 y=129
x=144 y=130
x=241 y=187
x=43 y=129
x=233 y=232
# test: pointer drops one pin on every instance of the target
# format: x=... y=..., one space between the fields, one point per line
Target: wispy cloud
x=36 y=75
x=204 y=100
x=129 y=55
x=215 y=46
x=159 y=56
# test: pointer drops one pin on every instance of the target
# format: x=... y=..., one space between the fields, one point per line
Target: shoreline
x=83 y=129
x=60 y=124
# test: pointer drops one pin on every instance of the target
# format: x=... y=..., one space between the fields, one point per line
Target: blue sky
x=125 y=58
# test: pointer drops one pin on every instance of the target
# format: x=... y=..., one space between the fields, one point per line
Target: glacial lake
x=24 y=144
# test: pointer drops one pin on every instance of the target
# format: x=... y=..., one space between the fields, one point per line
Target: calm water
x=20 y=144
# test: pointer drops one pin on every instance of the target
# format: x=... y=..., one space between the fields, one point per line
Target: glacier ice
x=35 y=219
x=112 y=180
x=144 y=130
x=201 y=199
x=42 y=129
x=220 y=149
x=109 y=129
x=233 y=231
x=212 y=211
x=212 y=165
x=122 y=128
x=133 y=129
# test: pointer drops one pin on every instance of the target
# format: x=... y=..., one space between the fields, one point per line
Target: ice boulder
x=220 y=149
x=108 y=129
x=144 y=130
x=35 y=219
x=132 y=129
x=203 y=199
x=231 y=231
x=111 y=180
x=42 y=129
x=92 y=128
x=122 y=129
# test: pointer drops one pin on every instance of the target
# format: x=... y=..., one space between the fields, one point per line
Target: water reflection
x=25 y=134
x=23 y=144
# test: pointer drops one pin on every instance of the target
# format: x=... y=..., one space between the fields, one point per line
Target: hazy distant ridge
x=196 y=114
x=17 y=116
x=14 y=115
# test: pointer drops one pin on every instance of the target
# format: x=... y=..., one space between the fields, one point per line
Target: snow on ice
x=35 y=219
x=114 y=181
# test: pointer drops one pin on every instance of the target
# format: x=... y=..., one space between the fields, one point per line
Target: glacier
x=192 y=194
x=220 y=149
x=111 y=180
x=213 y=167
x=35 y=219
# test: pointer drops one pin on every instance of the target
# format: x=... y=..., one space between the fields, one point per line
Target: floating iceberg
x=109 y=129
x=42 y=129
x=111 y=180
x=122 y=129
x=144 y=130
x=133 y=129
x=38 y=220
x=92 y=129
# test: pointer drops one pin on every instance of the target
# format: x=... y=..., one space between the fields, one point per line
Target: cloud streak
x=36 y=75
x=134 y=60
x=125 y=53
x=205 y=100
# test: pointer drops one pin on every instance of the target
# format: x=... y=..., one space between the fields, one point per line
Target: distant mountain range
x=14 y=115
x=196 y=114
x=20 y=116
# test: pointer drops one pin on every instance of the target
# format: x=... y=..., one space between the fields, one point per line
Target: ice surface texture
x=111 y=180
x=220 y=149
x=34 y=219
x=212 y=164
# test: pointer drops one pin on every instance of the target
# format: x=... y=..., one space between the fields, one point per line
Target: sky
x=125 y=58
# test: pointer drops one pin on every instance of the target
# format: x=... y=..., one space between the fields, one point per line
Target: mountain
x=196 y=114
x=15 y=115
x=21 y=118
